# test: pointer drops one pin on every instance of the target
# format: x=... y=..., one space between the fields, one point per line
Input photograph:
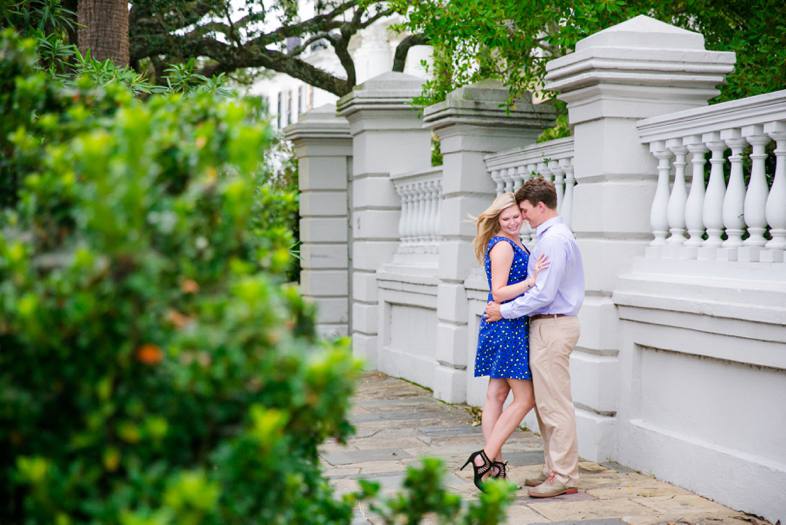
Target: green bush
x=153 y=368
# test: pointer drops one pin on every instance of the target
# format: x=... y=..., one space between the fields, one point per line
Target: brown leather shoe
x=537 y=480
x=550 y=488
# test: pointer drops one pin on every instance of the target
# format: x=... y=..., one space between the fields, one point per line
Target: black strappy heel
x=481 y=470
x=502 y=470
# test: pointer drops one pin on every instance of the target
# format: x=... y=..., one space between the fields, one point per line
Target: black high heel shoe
x=500 y=470
x=481 y=470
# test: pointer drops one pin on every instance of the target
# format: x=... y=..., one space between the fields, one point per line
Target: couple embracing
x=527 y=334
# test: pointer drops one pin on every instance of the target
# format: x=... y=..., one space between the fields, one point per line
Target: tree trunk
x=104 y=29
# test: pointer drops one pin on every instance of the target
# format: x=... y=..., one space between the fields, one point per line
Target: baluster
x=660 y=202
x=419 y=216
x=532 y=171
x=433 y=238
x=521 y=176
x=735 y=191
x=694 y=206
x=427 y=207
x=507 y=176
x=776 y=202
x=402 y=220
x=559 y=175
x=543 y=170
x=413 y=231
x=437 y=216
x=716 y=191
x=679 y=195
x=756 y=196
x=567 y=201
x=495 y=176
x=513 y=176
x=408 y=224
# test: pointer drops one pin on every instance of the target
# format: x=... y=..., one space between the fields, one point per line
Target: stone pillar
x=470 y=124
x=638 y=69
x=387 y=137
x=323 y=147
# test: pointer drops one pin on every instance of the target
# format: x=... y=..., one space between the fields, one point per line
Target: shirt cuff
x=505 y=307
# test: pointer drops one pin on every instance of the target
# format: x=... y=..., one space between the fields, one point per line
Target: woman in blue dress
x=503 y=346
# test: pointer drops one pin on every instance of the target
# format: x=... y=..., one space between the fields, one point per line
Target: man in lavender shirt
x=552 y=305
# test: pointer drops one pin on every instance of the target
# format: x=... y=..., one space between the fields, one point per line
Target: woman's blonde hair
x=487 y=223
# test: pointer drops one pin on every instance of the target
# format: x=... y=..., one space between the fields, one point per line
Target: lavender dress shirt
x=559 y=289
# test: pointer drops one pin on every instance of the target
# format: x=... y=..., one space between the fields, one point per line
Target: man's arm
x=546 y=284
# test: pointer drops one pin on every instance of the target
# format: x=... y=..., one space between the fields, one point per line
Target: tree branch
x=400 y=58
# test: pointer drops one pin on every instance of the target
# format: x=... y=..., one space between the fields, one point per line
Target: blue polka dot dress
x=503 y=346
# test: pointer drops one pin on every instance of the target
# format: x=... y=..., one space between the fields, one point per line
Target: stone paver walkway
x=398 y=423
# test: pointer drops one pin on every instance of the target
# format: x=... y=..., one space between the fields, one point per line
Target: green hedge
x=153 y=367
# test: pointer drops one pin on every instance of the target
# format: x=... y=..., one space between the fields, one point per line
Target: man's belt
x=546 y=316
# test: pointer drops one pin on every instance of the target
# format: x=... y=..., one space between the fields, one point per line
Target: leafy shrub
x=153 y=369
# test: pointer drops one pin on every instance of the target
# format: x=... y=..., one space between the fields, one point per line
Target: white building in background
x=372 y=50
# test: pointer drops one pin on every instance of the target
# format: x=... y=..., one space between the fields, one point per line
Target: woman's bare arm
x=501 y=261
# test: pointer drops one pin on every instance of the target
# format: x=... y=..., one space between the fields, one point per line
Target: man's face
x=532 y=214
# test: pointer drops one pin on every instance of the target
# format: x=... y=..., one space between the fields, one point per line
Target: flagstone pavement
x=398 y=423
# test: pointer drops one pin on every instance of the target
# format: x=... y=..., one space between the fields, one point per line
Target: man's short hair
x=538 y=190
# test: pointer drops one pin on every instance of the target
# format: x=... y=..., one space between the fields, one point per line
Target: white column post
x=637 y=69
x=387 y=137
x=470 y=124
x=323 y=147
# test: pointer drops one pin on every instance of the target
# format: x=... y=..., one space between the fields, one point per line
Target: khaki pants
x=551 y=342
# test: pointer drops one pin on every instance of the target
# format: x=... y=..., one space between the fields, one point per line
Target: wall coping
x=756 y=110
x=534 y=153
x=407 y=176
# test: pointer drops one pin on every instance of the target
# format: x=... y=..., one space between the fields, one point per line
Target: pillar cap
x=483 y=104
x=388 y=91
x=644 y=32
x=637 y=69
x=320 y=122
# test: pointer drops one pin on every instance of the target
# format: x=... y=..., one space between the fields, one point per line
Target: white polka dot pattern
x=503 y=346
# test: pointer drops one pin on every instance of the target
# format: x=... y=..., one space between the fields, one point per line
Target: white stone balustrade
x=551 y=160
x=421 y=197
x=692 y=225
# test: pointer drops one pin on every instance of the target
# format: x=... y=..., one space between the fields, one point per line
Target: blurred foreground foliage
x=154 y=369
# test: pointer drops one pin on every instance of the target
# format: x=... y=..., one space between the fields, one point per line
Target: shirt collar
x=540 y=230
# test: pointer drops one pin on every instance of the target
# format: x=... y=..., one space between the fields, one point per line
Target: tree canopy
x=272 y=35
x=473 y=39
x=514 y=39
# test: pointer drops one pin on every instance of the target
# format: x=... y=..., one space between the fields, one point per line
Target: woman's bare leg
x=496 y=394
x=510 y=419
